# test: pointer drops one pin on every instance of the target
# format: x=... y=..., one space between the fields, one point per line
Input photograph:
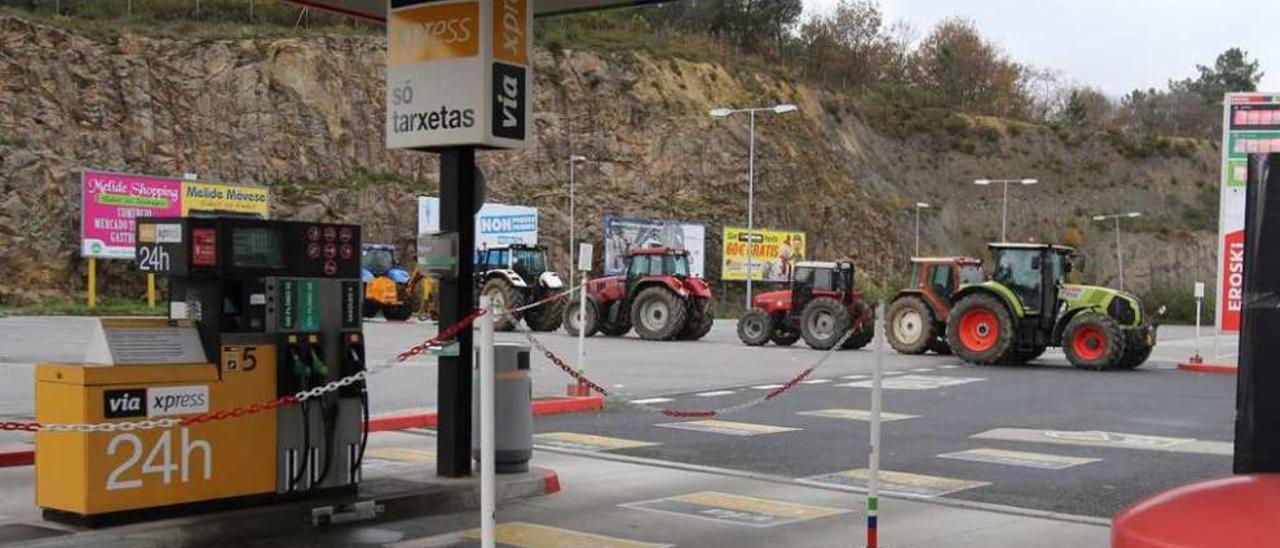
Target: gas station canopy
x=376 y=10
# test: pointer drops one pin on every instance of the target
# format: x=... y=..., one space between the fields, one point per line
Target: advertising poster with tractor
x=774 y=253
x=622 y=235
x=1251 y=124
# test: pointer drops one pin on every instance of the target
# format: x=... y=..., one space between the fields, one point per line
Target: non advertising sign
x=1251 y=124
x=111 y=202
x=773 y=253
x=458 y=73
x=496 y=224
x=622 y=234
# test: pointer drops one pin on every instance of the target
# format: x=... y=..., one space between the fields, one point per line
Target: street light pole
x=751 y=178
x=1004 y=206
x=573 y=159
x=1119 y=253
x=919 y=206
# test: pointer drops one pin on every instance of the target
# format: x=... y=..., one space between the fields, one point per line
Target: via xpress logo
x=119 y=404
x=509 y=92
x=177 y=400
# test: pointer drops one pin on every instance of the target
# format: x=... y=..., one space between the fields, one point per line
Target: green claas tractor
x=1026 y=307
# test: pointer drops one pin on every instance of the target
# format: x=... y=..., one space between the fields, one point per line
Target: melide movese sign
x=458 y=73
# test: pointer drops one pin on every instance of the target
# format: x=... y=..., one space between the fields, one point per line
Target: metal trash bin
x=513 y=408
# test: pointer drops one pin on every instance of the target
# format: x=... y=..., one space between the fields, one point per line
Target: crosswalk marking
x=647 y=401
x=715 y=393
x=948 y=367
x=1019 y=458
x=915 y=382
x=854 y=377
x=856 y=414
x=1098 y=438
x=898 y=483
x=735 y=509
x=587 y=442
x=816 y=381
x=728 y=427
x=923 y=369
x=766 y=387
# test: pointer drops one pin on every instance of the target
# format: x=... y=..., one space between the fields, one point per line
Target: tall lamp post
x=919 y=206
x=573 y=160
x=1119 y=254
x=1004 y=209
x=751 y=176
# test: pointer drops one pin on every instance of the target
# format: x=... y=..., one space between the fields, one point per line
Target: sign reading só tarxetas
x=458 y=73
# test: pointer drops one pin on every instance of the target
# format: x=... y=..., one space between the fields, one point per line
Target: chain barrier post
x=584 y=266
x=873 y=465
x=487 y=424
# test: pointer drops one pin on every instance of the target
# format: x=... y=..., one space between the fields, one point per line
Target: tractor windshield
x=529 y=263
x=676 y=265
x=970 y=275
x=378 y=260
x=1019 y=270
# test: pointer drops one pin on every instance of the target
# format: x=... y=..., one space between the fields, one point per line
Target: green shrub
x=1181 y=303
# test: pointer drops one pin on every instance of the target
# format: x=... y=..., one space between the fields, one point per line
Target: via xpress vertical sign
x=1250 y=125
x=458 y=73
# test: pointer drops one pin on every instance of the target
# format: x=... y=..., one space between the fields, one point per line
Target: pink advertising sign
x=111 y=201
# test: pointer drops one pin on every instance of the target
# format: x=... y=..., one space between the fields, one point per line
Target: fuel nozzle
x=317 y=364
x=300 y=368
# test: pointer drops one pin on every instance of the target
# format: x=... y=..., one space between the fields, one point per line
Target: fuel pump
x=258 y=310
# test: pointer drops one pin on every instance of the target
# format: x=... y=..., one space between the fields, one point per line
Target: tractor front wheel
x=863 y=335
x=980 y=330
x=910 y=326
x=502 y=296
x=547 y=317
x=1134 y=356
x=784 y=337
x=823 y=322
x=755 y=327
x=615 y=321
x=574 y=322
x=398 y=312
x=1093 y=341
x=658 y=314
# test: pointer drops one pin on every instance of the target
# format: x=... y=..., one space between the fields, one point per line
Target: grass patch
x=67 y=306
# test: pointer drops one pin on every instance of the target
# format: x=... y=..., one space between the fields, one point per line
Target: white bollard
x=873 y=460
x=488 y=503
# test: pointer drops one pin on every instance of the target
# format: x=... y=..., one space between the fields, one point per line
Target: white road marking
x=916 y=382
x=1025 y=459
x=647 y=401
x=856 y=414
x=854 y=377
x=923 y=369
x=948 y=367
x=1098 y=438
x=715 y=393
x=816 y=381
x=728 y=427
x=766 y=387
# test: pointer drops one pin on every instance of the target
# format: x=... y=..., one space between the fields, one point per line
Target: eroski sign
x=458 y=73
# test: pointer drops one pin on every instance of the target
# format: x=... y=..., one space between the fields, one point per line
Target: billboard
x=1250 y=124
x=773 y=252
x=110 y=202
x=622 y=234
x=496 y=224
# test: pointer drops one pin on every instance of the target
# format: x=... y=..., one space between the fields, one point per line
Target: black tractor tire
x=1093 y=341
x=398 y=312
x=863 y=336
x=910 y=326
x=980 y=330
x=939 y=345
x=698 y=319
x=545 y=318
x=502 y=294
x=569 y=317
x=823 y=322
x=755 y=328
x=369 y=309
x=620 y=325
x=784 y=337
x=1134 y=356
x=658 y=314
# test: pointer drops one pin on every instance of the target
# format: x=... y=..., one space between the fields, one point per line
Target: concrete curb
x=396 y=499
x=25 y=455
x=1209 y=368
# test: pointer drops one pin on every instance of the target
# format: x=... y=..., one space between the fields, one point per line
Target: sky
x=1115 y=45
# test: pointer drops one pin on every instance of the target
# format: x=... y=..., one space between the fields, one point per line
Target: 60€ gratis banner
x=773 y=253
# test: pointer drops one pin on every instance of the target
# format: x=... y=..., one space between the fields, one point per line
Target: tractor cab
x=810 y=279
x=377 y=259
x=1034 y=273
x=656 y=261
x=529 y=261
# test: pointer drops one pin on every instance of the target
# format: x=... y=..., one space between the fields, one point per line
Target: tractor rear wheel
x=980 y=330
x=546 y=317
x=1093 y=341
x=1134 y=356
x=615 y=321
x=939 y=345
x=658 y=314
x=910 y=326
x=823 y=322
x=698 y=320
x=572 y=321
x=503 y=296
x=784 y=337
x=755 y=327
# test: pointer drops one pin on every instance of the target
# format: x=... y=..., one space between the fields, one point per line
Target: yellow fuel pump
x=258 y=310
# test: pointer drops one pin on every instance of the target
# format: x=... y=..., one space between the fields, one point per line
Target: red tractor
x=820 y=306
x=656 y=295
x=917 y=316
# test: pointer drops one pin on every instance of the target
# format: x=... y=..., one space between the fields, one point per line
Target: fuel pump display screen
x=257 y=248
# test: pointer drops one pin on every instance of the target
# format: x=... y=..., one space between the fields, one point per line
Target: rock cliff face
x=305 y=117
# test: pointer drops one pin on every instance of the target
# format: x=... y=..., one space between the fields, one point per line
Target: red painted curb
x=550 y=482
x=1209 y=368
x=429 y=419
x=17 y=455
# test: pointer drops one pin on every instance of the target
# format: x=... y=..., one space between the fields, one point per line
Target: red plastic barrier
x=1235 y=512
